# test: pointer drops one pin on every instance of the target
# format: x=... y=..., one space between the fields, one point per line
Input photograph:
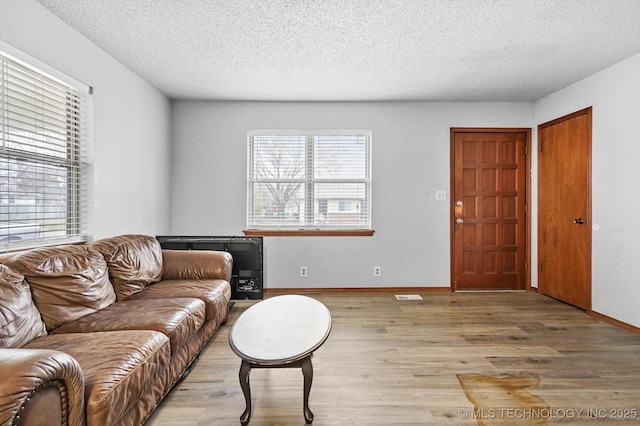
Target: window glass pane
x=35 y=114
x=341 y=204
x=279 y=157
x=278 y=204
x=340 y=157
x=33 y=200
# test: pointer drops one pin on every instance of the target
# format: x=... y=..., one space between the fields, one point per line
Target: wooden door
x=564 y=209
x=488 y=219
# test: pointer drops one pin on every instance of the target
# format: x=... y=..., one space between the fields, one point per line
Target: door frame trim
x=527 y=209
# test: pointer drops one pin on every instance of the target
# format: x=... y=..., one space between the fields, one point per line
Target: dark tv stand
x=247 y=253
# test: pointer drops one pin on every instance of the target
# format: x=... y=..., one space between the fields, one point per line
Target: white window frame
x=308 y=220
x=29 y=148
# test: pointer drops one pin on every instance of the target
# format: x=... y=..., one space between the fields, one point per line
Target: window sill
x=309 y=232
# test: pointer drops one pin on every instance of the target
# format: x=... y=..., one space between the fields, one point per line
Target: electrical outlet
x=303 y=271
x=377 y=271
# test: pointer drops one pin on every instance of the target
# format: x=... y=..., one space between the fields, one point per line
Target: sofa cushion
x=119 y=368
x=177 y=318
x=135 y=261
x=67 y=282
x=214 y=293
x=196 y=265
x=20 y=321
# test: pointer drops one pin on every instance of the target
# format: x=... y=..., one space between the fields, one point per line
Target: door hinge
x=526 y=149
x=541 y=266
x=540 y=147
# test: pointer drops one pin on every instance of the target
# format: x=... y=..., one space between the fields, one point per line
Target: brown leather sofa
x=97 y=334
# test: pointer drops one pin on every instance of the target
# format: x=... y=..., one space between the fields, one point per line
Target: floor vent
x=408 y=297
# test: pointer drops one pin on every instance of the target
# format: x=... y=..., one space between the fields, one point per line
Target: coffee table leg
x=307 y=371
x=245 y=369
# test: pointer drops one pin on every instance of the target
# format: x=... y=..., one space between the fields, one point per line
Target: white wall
x=411 y=150
x=131 y=121
x=614 y=94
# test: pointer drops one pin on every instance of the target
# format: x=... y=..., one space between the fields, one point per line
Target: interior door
x=488 y=217
x=564 y=209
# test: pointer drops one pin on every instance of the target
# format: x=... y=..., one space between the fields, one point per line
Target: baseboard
x=617 y=323
x=359 y=290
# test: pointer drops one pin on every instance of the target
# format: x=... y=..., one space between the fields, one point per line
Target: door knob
x=459 y=203
x=579 y=221
x=459 y=220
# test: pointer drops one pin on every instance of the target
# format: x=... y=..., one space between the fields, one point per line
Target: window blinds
x=319 y=180
x=44 y=162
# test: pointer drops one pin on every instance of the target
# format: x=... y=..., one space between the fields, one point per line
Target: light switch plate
x=441 y=195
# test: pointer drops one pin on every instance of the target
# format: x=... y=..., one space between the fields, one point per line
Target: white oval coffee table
x=280 y=332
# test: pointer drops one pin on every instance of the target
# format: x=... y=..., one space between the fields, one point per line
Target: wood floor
x=449 y=359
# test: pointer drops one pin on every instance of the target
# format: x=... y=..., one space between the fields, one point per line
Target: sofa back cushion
x=67 y=282
x=135 y=261
x=20 y=321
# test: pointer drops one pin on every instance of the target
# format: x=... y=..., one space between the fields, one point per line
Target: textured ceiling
x=359 y=50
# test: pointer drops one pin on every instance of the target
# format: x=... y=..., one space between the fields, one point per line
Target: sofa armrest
x=196 y=265
x=40 y=386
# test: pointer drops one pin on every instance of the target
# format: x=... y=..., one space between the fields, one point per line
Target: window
x=309 y=181
x=43 y=158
